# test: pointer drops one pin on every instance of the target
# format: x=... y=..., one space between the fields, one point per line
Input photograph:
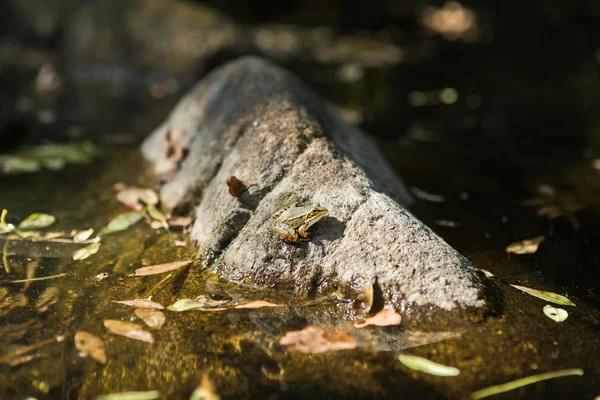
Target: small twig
x=42 y=239
x=152 y=291
x=43 y=278
x=27 y=349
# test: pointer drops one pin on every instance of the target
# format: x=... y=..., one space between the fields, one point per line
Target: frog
x=292 y=224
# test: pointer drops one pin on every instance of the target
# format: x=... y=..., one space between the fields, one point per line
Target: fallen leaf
x=128 y=329
x=151 y=395
x=160 y=268
x=428 y=366
x=141 y=303
x=157 y=216
x=205 y=391
x=91 y=345
x=487 y=273
x=556 y=314
x=236 y=187
x=548 y=296
x=255 y=304
x=527 y=246
x=121 y=222
x=11 y=164
x=133 y=197
x=82 y=236
x=37 y=221
x=421 y=194
x=314 y=339
x=505 y=387
x=447 y=223
x=200 y=302
x=382 y=318
x=87 y=251
x=153 y=318
x=101 y=276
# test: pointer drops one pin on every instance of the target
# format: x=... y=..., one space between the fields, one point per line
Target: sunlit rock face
x=254 y=121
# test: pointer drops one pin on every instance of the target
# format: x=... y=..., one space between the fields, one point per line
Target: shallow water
x=239 y=349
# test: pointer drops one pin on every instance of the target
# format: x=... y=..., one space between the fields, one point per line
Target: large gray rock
x=255 y=121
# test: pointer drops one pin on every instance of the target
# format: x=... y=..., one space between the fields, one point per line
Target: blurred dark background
x=519 y=78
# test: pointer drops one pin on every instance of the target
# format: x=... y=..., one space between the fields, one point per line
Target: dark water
x=520 y=117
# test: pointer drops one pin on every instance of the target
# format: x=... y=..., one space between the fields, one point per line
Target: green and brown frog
x=292 y=224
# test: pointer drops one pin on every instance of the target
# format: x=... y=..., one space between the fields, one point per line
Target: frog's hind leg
x=286 y=233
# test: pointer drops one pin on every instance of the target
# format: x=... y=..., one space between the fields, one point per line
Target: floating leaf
x=87 y=251
x=91 y=345
x=121 y=222
x=557 y=314
x=548 y=296
x=151 y=395
x=255 y=304
x=314 y=339
x=132 y=197
x=421 y=194
x=160 y=268
x=153 y=318
x=206 y=390
x=382 y=318
x=83 y=236
x=141 y=303
x=428 y=366
x=201 y=302
x=13 y=164
x=527 y=246
x=156 y=215
x=37 y=221
x=127 y=329
x=505 y=387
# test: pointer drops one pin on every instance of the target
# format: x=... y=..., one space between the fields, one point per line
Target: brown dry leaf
x=236 y=187
x=382 y=318
x=153 y=318
x=128 y=329
x=161 y=268
x=135 y=198
x=141 y=303
x=255 y=304
x=314 y=339
x=90 y=345
x=527 y=246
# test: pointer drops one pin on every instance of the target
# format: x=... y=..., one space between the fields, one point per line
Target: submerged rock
x=252 y=120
